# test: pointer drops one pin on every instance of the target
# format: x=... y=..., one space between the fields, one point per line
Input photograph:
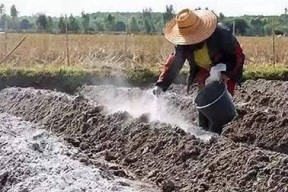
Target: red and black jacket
x=222 y=46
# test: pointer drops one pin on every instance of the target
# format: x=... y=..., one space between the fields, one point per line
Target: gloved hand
x=157 y=91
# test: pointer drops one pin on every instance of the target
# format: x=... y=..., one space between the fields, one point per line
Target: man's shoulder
x=221 y=30
x=222 y=33
x=224 y=28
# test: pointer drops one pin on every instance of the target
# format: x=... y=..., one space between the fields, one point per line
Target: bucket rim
x=213 y=102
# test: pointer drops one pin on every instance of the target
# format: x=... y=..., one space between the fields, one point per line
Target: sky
x=75 y=7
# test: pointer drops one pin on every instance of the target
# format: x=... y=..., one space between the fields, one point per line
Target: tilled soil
x=33 y=160
x=164 y=154
x=262 y=107
x=263 y=115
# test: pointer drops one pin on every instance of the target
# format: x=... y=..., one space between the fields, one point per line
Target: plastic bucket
x=215 y=103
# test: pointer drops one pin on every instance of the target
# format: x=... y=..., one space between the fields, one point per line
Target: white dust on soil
x=137 y=102
x=33 y=160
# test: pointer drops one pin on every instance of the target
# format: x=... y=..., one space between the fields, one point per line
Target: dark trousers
x=205 y=123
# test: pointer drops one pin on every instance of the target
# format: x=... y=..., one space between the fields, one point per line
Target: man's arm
x=171 y=68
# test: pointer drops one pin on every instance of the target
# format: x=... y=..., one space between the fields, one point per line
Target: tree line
x=147 y=22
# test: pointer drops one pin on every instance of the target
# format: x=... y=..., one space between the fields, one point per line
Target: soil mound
x=33 y=160
x=150 y=151
x=263 y=115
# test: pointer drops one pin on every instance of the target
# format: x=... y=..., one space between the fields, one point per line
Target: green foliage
x=120 y=26
x=257 y=26
x=42 y=22
x=70 y=78
x=2 y=9
x=241 y=26
x=110 y=22
x=221 y=17
x=266 y=72
x=134 y=28
x=50 y=24
x=25 y=24
x=62 y=25
x=148 y=25
x=140 y=76
x=168 y=14
x=73 y=24
x=85 y=21
x=146 y=21
x=13 y=12
x=99 y=26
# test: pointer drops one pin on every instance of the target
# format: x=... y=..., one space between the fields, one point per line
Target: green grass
x=68 y=79
x=266 y=72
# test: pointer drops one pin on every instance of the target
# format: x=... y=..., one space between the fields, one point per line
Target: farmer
x=204 y=44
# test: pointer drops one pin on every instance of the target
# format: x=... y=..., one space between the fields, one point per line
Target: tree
x=168 y=14
x=109 y=22
x=286 y=10
x=13 y=12
x=241 y=26
x=3 y=19
x=99 y=26
x=25 y=24
x=85 y=21
x=2 y=9
x=257 y=26
x=62 y=24
x=42 y=22
x=50 y=24
x=221 y=17
x=148 y=26
x=73 y=24
x=134 y=28
x=268 y=29
x=120 y=26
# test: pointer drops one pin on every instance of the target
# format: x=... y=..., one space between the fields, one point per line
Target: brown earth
x=263 y=115
x=164 y=154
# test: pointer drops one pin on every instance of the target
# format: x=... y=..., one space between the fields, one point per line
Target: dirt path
x=154 y=151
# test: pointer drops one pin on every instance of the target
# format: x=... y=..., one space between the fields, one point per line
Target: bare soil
x=263 y=115
x=251 y=155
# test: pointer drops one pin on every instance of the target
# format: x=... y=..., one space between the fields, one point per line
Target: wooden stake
x=6 y=37
x=273 y=42
x=7 y=55
x=67 y=42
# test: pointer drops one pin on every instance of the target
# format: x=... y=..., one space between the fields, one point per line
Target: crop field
x=121 y=51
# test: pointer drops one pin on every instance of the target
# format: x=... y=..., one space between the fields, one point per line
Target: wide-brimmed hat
x=190 y=27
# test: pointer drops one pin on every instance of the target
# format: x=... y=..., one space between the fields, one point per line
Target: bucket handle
x=208 y=105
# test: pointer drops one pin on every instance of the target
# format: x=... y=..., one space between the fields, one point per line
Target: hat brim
x=206 y=28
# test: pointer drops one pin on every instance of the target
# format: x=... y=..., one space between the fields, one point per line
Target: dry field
x=119 y=51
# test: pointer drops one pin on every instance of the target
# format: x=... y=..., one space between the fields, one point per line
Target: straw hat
x=190 y=27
